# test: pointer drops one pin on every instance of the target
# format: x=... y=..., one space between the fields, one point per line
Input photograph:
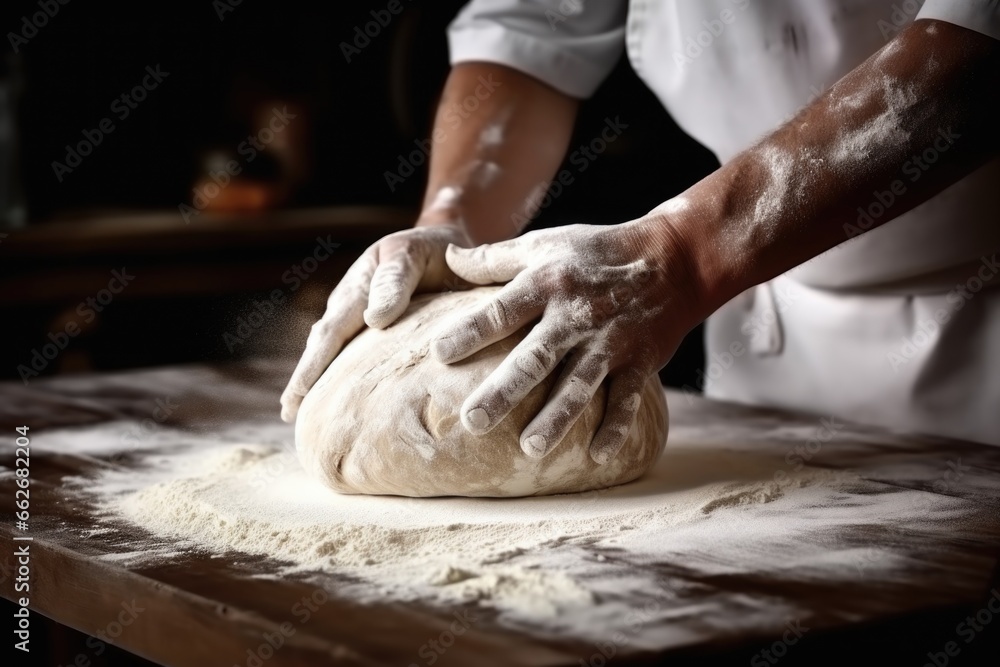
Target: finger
x=624 y=399
x=341 y=321
x=510 y=309
x=521 y=371
x=489 y=263
x=393 y=283
x=570 y=397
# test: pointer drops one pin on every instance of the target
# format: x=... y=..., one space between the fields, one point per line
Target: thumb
x=393 y=283
x=487 y=264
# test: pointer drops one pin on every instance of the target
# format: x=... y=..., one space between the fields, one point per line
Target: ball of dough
x=384 y=419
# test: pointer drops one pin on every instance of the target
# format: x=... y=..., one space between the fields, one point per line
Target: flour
x=885 y=130
x=484 y=173
x=574 y=564
x=445 y=198
x=875 y=118
x=774 y=200
x=256 y=499
x=539 y=267
x=491 y=136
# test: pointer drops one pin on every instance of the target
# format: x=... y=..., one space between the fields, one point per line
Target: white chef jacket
x=730 y=71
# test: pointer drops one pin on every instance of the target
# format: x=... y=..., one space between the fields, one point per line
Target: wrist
x=450 y=217
x=676 y=237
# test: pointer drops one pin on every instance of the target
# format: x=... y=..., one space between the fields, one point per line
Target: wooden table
x=202 y=610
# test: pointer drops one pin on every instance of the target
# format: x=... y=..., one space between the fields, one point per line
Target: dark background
x=119 y=208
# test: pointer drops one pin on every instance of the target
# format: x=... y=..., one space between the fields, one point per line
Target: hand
x=374 y=291
x=614 y=302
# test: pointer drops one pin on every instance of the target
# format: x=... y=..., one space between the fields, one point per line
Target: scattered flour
x=573 y=564
x=885 y=130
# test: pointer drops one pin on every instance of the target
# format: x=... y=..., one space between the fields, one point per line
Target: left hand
x=614 y=302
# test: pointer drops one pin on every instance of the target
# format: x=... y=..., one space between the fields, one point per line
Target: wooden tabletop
x=196 y=609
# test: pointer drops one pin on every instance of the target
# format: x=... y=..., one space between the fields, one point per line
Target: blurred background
x=167 y=168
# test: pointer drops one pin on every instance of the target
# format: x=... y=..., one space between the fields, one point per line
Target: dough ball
x=384 y=419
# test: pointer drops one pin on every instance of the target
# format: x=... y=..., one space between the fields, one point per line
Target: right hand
x=374 y=291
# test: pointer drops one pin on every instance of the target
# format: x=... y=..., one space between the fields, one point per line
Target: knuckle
x=496 y=316
x=562 y=278
x=582 y=315
x=576 y=394
x=536 y=361
x=630 y=405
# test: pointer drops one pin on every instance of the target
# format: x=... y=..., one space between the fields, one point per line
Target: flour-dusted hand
x=374 y=291
x=614 y=302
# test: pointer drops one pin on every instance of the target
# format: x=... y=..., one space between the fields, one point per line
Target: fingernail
x=444 y=348
x=534 y=446
x=600 y=456
x=478 y=419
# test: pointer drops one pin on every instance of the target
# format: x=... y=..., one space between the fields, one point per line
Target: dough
x=384 y=419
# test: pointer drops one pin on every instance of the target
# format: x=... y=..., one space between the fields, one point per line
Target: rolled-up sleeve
x=979 y=15
x=571 y=45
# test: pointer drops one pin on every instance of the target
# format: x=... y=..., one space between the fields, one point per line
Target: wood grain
x=197 y=608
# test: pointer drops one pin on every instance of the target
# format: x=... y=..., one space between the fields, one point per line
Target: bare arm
x=787 y=199
x=498 y=134
x=616 y=301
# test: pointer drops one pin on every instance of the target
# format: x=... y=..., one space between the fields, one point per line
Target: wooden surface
x=203 y=610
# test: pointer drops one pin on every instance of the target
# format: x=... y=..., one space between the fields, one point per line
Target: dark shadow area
x=209 y=79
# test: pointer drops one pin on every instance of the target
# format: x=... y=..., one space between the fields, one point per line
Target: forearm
x=933 y=91
x=499 y=135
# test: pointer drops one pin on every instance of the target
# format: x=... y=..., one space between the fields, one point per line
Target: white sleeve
x=571 y=45
x=979 y=15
